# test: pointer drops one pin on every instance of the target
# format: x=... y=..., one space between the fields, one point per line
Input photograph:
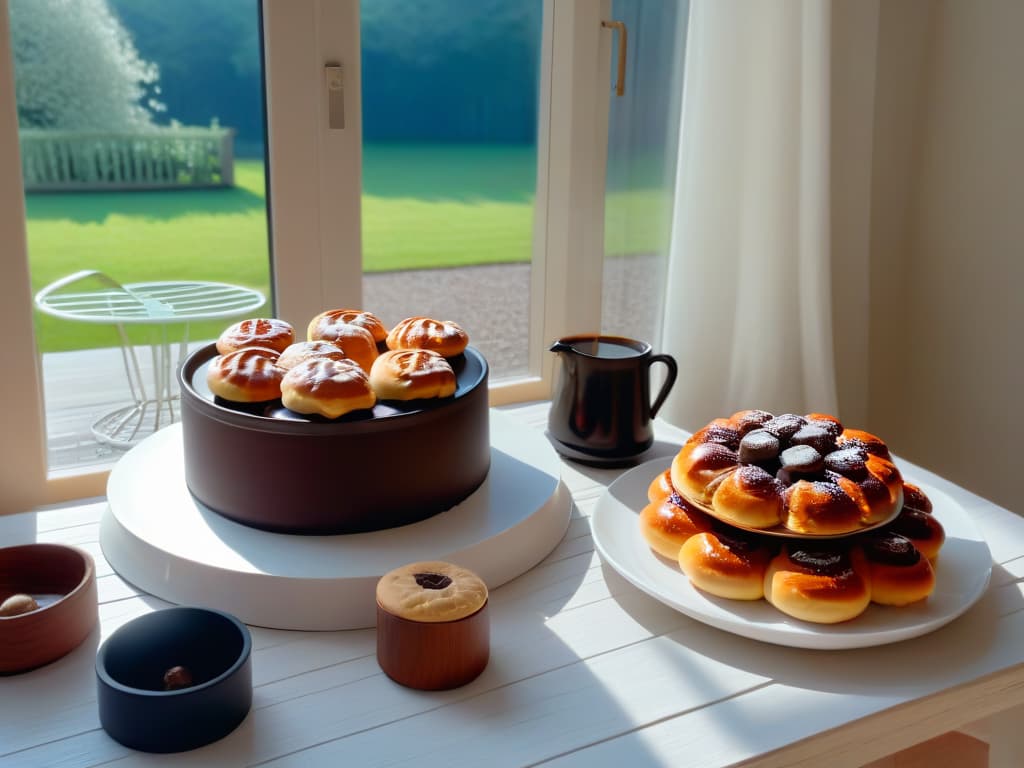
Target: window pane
x=643 y=136
x=141 y=133
x=449 y=99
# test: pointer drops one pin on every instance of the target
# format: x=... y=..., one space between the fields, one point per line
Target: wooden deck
x=79 y=387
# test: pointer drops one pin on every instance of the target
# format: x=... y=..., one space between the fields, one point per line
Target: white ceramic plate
x=963 y=570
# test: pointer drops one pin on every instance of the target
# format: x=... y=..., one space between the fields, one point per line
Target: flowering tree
x=77 y=68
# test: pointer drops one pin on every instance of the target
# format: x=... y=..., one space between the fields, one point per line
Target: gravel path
x=492 y=303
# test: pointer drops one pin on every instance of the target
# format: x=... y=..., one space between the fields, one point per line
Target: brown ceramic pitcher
x=601 y=409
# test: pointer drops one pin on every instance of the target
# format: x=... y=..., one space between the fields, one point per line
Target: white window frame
x=315 y=189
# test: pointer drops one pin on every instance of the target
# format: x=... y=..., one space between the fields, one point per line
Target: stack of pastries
x=857 y=533
x=348 y=361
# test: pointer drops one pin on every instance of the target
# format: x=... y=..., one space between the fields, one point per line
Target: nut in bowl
x=48 y=604
x=175 y=679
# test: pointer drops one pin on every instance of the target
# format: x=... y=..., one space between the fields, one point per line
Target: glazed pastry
x=357 y=343
x=412 y=374
x=330 y=388
x=321 y=326
x=301 y=351
x=445 y=337
x=431 y=591
x=661 y=487
x=806 y=473
x=667 y=523
x=821 y=583
x=727 y=563
x=247 y=375
x=899 y=573
x=270 y=333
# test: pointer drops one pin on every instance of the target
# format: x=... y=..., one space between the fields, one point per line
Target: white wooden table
x=585 y=670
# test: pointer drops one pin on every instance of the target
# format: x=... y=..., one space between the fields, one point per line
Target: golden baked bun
x=321 y=326
x=698 y=468
x=266 y=332
x=431 y=591
x=821 y=583
x=330 y=388
x=727 y=564
x=247 y=375
x=445 y=337
x=357 y=343
x=661 y=487
x=807 y=473
x=667 y=523
x=922 y=529
x=301 y=351
x=820 y=508
x=898 y=572
x=411 y=374
x=749 y=497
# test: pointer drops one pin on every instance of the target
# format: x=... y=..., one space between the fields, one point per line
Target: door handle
x=620 y=78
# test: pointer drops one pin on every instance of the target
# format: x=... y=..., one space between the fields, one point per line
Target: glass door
x=141 y=137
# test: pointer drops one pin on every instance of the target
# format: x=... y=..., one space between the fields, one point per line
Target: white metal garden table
x=90 y=296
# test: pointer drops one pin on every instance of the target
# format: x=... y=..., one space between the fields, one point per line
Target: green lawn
x=438 y=206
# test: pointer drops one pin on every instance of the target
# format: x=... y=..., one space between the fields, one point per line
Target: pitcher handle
x=670 y=379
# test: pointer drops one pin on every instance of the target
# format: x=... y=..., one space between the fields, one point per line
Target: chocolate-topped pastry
x=723 y=435
x=727 y=563
x=746 y=421
x=899 y=573
x=923 y=530
x=915 y=498
x=853 y=464
x=758 y=446
x=785 y=426
x=871 y=443
x=829 y=423
x=818 y=583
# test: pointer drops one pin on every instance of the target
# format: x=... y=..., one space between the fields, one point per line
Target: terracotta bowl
x=62 y=581
x=175 y=679
x=433 y=656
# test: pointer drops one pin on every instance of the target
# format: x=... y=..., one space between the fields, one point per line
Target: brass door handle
x=620 y=78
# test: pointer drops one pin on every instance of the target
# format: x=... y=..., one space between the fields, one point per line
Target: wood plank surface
x=585 y=670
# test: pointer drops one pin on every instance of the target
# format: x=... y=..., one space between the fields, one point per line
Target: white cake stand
x=157 y=536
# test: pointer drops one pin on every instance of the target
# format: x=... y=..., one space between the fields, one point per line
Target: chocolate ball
x=15 y=605
x=176 y=678
x=785 y=425
x=817 y=437
x=801 y=460
x=849 y=462
x=757 y=446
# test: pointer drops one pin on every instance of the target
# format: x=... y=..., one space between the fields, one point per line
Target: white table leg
x=1006 y=738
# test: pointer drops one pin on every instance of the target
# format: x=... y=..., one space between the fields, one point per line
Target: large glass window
x=450 y=107
x=141 y=134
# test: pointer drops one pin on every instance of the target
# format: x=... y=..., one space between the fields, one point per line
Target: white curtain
x=749 y=308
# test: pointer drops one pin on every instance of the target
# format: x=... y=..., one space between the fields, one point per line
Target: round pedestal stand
x=157 y=536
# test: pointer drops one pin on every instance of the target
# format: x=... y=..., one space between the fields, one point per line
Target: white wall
x=947 y=241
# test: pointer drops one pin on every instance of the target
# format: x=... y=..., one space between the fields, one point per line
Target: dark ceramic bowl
x=62 y=581
x=264 y=466
x=135 y=705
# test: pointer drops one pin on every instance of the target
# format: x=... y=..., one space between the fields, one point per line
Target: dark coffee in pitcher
x=601 y=409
